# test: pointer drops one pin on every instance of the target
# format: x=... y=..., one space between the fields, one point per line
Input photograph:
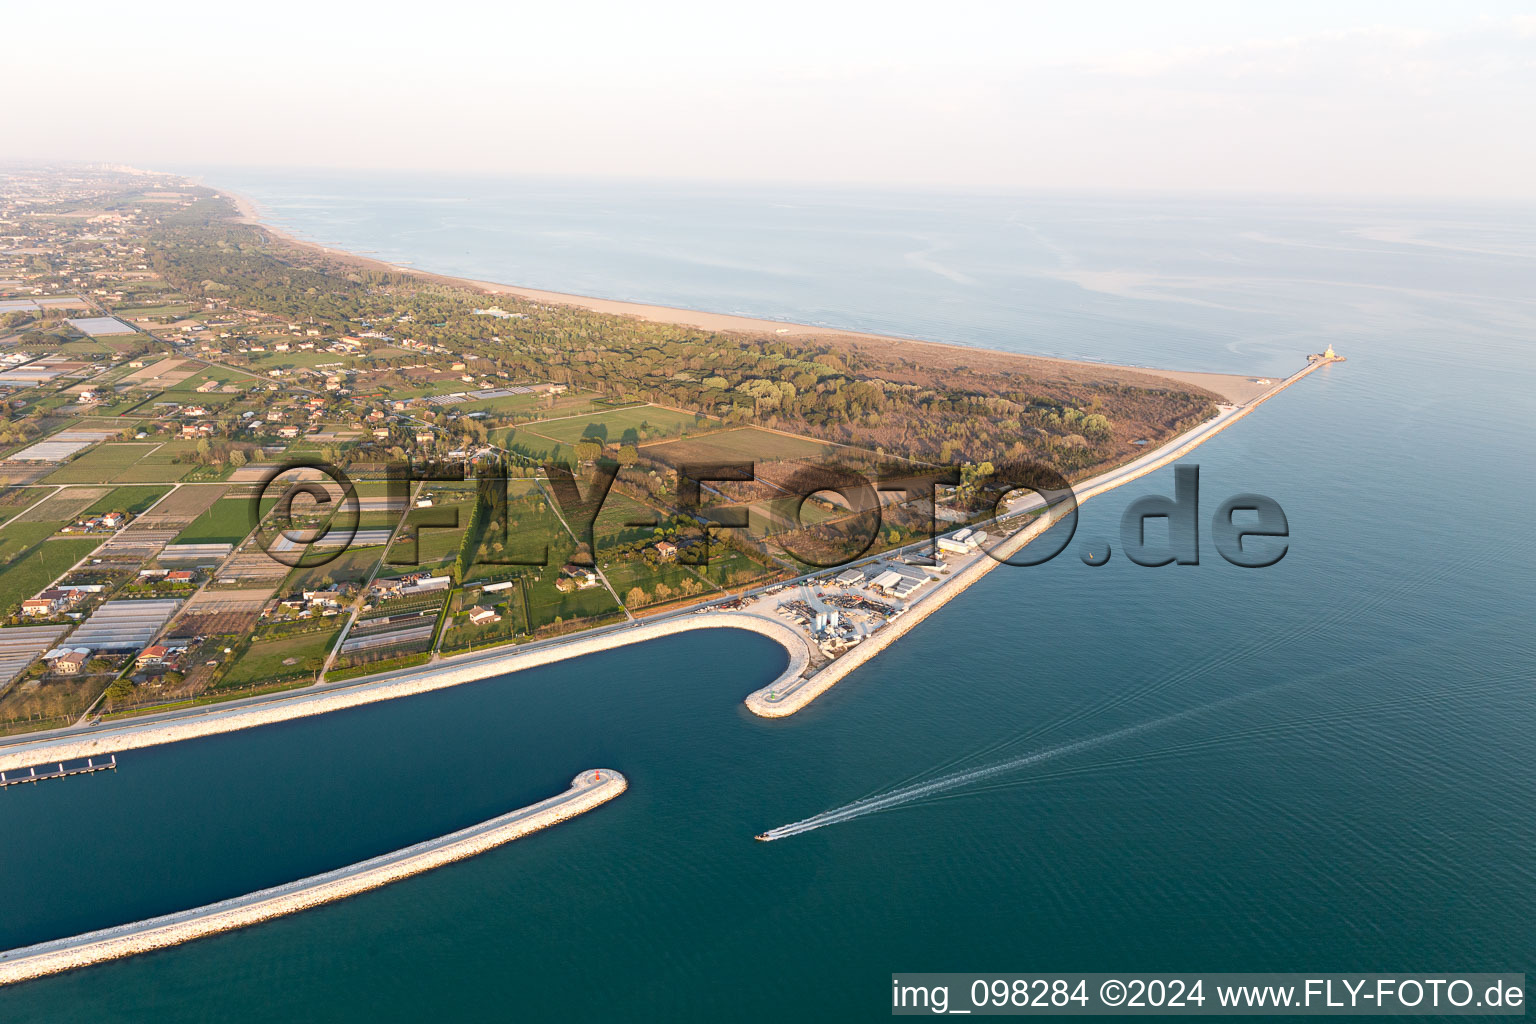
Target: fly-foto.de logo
x=308 y=514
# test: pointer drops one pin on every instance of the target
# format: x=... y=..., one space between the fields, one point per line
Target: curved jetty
x=173 y=726
x=588 y=790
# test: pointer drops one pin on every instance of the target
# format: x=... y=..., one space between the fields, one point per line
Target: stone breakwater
x=785 y=696
x=588 y=790
x=130 y=736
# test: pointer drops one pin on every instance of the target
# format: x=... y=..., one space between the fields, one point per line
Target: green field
x=533 y=534
x=129 y=463
x=17 y=500
x=26 y=575
x=759 y=523
x=86 y=347
x=101 y=464
x=133 y=499
x=547 y=603
x=265 y=660
x=622 y=426
x=728 y=567
x=227 y=521
x=534 y=446
x=377 y=520
x=149 y=470
x=435 y=545
x=743 y=443
x=373 y=488
x=507 y=405
x=610 y=528
x=668 y=582
x=347 y=567
x=219 y=374
x=18 y=537
x=61 y=508
x=783 y=512
x=568 y=404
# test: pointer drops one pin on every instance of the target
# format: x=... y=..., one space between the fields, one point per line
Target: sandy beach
x=1234 y=389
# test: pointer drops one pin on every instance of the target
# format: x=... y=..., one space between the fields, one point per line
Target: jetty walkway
x=62 y=770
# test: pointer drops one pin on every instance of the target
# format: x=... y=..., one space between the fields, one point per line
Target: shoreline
x=198 y=722
x=588 y=790
x=771 y=702
x=791 y=691
x=1233 y=388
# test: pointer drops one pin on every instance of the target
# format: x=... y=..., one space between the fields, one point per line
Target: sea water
x=1342 y=774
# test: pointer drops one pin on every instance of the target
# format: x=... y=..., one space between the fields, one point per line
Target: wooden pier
x=57 y=770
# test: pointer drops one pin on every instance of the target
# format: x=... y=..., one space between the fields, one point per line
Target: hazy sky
x=1391 y=98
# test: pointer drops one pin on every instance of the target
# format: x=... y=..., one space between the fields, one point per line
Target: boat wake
x=919 y=790
x=1346 y=715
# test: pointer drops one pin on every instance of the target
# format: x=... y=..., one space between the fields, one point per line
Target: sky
x=1392 y=99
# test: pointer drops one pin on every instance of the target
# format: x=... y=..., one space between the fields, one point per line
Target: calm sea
x=1354 y=788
